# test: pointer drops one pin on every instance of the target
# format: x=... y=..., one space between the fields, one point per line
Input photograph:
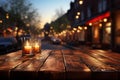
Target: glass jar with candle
x=27 y=49
x=36 y=46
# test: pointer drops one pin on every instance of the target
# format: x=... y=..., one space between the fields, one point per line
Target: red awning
x=100 y=17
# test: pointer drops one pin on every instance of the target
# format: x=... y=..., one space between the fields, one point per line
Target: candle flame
x=27 y=43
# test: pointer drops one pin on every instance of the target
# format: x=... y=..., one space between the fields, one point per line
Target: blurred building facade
x=2 y=20
x=101 y=19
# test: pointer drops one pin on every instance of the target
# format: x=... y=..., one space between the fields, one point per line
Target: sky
x=47 y=8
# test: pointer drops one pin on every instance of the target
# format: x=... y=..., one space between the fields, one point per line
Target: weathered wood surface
x=53 y=68
x=75 y=68
x=61 y=65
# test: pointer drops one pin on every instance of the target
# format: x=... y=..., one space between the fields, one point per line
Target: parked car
x=55 y=40
x=7 y=44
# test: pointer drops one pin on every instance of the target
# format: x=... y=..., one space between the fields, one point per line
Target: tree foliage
x=22 y=13
x=60 y=24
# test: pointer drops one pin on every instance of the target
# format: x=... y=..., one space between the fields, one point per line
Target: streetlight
x=105 y=19
x=90 y=24
x=78 y=13
x=7 y=16
x=79 y=27
x=78 y=31
x=81 y=2
x=74 y=29
x=85 y=28
x=100 y=25
x=77 y=17
x=1 y=21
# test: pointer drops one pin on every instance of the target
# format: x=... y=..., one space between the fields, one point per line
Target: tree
x=58 y=13
x=60 y=22
x=22 y=14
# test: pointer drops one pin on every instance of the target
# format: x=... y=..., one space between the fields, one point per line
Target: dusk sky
x=47 y=8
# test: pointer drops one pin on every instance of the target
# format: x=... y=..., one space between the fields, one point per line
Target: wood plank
x=105 y=60
x=108 y=54
x=5 y=69
x=99 y=69
x=28 y=70
x=8 y=62
x=76 y=69
x=68 y=52
x=94 y=64
x=57 y=52
x=11 y=56
x=38 y=61
x=53 y=68
x=108 y=60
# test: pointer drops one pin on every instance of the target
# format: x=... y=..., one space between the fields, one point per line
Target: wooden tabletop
x=61 y=65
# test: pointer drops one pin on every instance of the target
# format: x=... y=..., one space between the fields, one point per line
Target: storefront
x=101 y=31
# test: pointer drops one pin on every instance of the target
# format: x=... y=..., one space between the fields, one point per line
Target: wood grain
x=28 y=70
x=53 y=68
x=61 y=65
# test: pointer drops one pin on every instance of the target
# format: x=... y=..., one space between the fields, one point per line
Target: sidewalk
x=80 y=47
x=87 y=49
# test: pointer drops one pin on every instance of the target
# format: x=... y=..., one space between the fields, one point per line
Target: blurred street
x=49 y=45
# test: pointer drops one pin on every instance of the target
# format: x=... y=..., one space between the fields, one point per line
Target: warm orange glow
x=36 y=47
x=16 y=28
x=100 y=25
x=77 y=17
x=46 y=32
x=15 y=33
x=99 y=18
x=80 y=27
x=7 y=16
x=78 y=31
x=108 y=24
x=85 y=28
x=74 y=29
x=20 y=32
x=90 y=24
x=96 y=33
x=108 y=30
x=81 y=2
x=78 y=13
x=1 y=21
x=86 y=70
x=27 y=48
x=64 y=32
x=105 y=19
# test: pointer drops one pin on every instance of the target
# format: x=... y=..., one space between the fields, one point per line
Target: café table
x=60 y=65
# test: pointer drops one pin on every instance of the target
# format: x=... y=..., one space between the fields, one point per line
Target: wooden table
x=61 y=65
